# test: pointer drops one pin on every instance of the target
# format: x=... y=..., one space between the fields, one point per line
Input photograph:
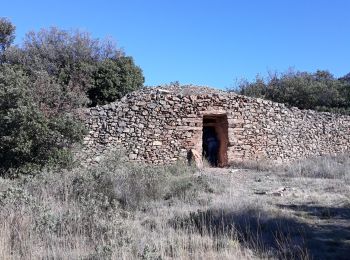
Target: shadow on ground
x=329 y=236
x=274 y=235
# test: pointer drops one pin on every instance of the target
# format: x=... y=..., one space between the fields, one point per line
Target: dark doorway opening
x=215 y=139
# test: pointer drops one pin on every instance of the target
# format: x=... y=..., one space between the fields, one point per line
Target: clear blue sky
x=205 y=42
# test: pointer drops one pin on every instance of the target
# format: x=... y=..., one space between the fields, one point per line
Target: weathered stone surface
x=132 y=156
x=157 y=143
x=161 y=126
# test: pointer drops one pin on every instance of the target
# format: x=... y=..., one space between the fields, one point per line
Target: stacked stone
x=157 y=126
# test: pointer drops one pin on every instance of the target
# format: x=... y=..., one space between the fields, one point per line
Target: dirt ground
x=314 y=213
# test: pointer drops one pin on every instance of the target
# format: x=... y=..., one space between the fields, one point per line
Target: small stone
x=132 y=156
x=157 y=143
x=122 y=124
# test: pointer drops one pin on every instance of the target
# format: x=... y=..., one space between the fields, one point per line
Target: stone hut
x=161 y=125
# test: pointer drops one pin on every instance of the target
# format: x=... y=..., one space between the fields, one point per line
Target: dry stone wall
x=159 y=126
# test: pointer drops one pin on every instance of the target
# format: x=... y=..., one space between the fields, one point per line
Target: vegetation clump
x=43 y=84
x=319 y=91
x=90 y=213
x=119 y=210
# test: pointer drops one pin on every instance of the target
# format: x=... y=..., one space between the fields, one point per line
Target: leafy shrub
x=76 y=65
x=7 y=34
x=319 y=91
x=113 y=79
x=27 y=137
x=44 y=83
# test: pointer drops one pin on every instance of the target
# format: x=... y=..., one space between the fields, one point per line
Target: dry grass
x=329 y=167
x=128 y=211
x=113 y=211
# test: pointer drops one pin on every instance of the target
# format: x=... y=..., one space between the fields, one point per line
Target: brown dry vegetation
x=126 y=211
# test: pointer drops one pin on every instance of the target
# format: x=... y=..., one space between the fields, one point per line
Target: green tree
x=70 y=57
x=7 y=35
x=318 y=91
x=113 y=79
x=253 y=89
x=81 y=65
x=28 y=138
x=44 y=82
